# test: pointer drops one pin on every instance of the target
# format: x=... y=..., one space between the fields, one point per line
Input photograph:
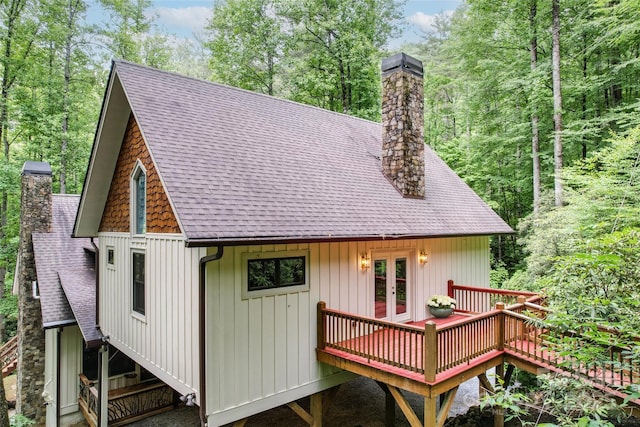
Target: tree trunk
x=71 y=19
x=4 y=407
x=535 y=132
x=557 y=105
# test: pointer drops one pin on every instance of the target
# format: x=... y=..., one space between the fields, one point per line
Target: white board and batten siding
x=71 y=347
x=261 y=350
x=165 y=340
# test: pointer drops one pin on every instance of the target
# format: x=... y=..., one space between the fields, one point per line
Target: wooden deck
x=433 y=357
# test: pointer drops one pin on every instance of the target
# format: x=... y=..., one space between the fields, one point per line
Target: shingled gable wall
x=403 y=124
x=160 y=216
x=35 y=217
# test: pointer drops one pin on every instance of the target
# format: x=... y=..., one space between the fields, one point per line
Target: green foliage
x=248 y=44
x=19 y=420
x=510 y=401
x=316 y=52
x=573 y=403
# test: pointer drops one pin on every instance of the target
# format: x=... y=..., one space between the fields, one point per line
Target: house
x=223 y=217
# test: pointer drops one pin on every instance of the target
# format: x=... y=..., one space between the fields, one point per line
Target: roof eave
x=113 y=120
x=275 y=240
x=59 y=324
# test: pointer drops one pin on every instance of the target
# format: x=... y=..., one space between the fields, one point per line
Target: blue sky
x=186 y=17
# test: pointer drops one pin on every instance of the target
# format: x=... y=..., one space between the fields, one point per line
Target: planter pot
x=440 y=312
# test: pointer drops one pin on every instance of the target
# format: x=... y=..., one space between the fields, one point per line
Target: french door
x=392 y=286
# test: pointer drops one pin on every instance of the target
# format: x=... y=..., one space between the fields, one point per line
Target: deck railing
x=126 y=404
x=372 y=339
x=435 y=350
x=610 y=364
x=455 y=347
x=88 y=400
x=430 y=350
x=472 y=299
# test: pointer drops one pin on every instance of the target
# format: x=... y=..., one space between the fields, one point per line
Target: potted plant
x=441 y=305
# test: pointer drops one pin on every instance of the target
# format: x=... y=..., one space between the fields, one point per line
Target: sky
x=187 y=17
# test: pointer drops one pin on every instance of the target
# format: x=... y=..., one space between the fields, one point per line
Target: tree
x=323 y=53
x=337 y=45
x=131 y=36
x=535 y=131
x=557 y=104
x=18 y=36
x=247 y=44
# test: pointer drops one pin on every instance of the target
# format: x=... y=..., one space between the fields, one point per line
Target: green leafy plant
x=20 y=420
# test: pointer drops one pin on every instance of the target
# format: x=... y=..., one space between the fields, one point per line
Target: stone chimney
x=35 y=217
x=403 y=124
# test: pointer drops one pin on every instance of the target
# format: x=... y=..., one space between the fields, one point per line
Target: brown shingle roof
x=57 y=253
x=80 y=288
x=240 y=166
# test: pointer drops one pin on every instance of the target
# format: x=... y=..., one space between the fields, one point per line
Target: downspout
x=97 y=268
x=58 y=370
x=202 y=339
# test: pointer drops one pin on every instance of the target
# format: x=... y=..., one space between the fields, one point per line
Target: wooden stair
x=9 y=356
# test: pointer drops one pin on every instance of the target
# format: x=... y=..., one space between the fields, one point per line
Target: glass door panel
x=380 y=300
x=401 y=286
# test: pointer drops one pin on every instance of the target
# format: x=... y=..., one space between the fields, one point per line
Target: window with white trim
x=111 y=257
x=138 y=281
x=275 y=273
x=139 y=200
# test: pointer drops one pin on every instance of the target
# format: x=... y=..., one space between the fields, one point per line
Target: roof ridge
x=273 y=97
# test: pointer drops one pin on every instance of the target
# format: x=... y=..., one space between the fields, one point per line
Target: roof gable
x=160 y=217
x=244 y=167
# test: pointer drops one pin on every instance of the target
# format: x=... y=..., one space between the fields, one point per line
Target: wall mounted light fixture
x=365 y=262
x=422 y=257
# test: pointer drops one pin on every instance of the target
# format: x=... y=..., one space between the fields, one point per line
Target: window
x=111 y=258
x=138 y=282
x=139 y=200
x=267 y=274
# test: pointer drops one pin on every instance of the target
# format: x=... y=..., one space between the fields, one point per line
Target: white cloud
x=425 y=22
x=180 y=19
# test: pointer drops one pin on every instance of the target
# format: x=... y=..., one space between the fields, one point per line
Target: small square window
x=111 y=257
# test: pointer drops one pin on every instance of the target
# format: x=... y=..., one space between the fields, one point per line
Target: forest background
x=534 y=103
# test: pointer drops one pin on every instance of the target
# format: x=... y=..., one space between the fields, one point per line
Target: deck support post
x=389 y=410
x=314 y=418
x=430 y=411
x=508 y=375
x=389 y=406
x=498 y=417
x=316 y=409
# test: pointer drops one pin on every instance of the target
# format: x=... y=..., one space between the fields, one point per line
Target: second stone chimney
x=403 y=124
